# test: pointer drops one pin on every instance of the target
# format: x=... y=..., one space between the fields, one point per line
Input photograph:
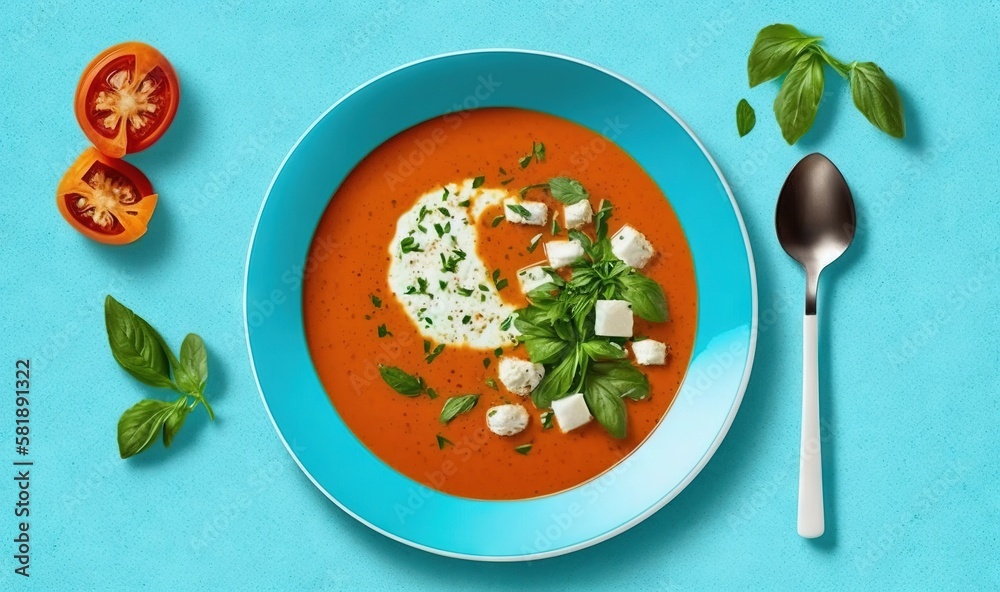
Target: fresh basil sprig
x=782 y=48
x=143 y=353
x=557 y=330
x=400 y=381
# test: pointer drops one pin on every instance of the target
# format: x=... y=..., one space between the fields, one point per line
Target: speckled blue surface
x=910 y=340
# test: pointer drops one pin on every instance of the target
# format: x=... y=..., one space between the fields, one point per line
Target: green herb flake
x=496 y=221
x=443 y=285
x=547 y=418
x=505 y=325
x=382 y=331
x=464 y=203
x=432 y=393
x=492 y=384
x=442 y=441
x=400 y=381
x=525 y=161
x=478 y=182
x=464 y=291
x=456 y=406
x=376 y=301
x=538 y=150
x=435 y=352
x=519 y=210
x=466 y=319
x=409 y=245
x=446 y=193
x=498 y=352
x=486 y=362
x=523 y=449
x=534 y=243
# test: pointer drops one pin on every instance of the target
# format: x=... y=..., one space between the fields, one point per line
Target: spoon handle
x=811 y=518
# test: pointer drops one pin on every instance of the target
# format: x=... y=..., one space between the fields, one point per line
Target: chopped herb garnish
x=534 y=243
x=436 y=352
x=466 y=319
x=503 y=283
x=556 y=229
x=498 y=352
x=503 y=171
x=442 y=441
x=445 y=196
x=427 y=346
x=523 y=449
x=496 y=221
x=382 y=331
x=569 y=191
x=442 y=284
x=455 y=406
x=547 y=418
x=491 y=413
x=505 y=325
x=478 y=182
x=450 y=264
x=423 y=212
x=507 y=181
x=525 y=161
x=420 y=289
x=432 y=393
x=520 y=210
x=400 y=381
x=464 y=291
x=464 y=203
x=486 y=362
x=492 y=384
x=484 y=288
x=422 y=228
x=409 y=245
x=538 y=150
x=376 y=301
x=445 y=212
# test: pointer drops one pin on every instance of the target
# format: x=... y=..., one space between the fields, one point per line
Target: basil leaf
x=600 y=350
x=140 y=425
x=797 y=101
x=775 y=51
x=523 y=448
x=457 y=405
x=569 y=191
x=876 y=97
x=620 y=377
x=401 y=382
x=543 y=350
x=557 y=382
x=646 y=297
x=745 y=117
x=520 y=211
x=605 y=404
x=581 y=238
x=601 y=217
x=135 y=345
x=174 y=420
x=192 y=372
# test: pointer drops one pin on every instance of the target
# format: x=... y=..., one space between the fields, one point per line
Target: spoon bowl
x=815 y=222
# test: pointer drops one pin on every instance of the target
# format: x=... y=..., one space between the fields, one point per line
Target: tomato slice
x=127 y=98
x=105 y=199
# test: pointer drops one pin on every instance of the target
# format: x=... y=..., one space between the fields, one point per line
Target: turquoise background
x=908 y=317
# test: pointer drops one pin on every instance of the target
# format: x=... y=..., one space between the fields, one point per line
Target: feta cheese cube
x=578 y=214
x=613 y=318
x=538 y=212
x=631 y=246
x=650 y=352
x=562 y=253
x=533 y=276
x=507 y=420
x=520 y=376
x=571 y=412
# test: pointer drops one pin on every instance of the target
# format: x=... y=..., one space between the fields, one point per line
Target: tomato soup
x=358 y=319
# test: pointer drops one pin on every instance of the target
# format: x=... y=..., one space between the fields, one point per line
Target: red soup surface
x=350 y=258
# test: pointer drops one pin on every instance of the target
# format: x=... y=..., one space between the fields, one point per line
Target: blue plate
x=399 y=507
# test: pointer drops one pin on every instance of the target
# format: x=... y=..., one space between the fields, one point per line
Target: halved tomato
x=106 y=199
x=127 y=98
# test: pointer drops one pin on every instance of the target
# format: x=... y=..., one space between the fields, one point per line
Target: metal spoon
x=815 y=222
